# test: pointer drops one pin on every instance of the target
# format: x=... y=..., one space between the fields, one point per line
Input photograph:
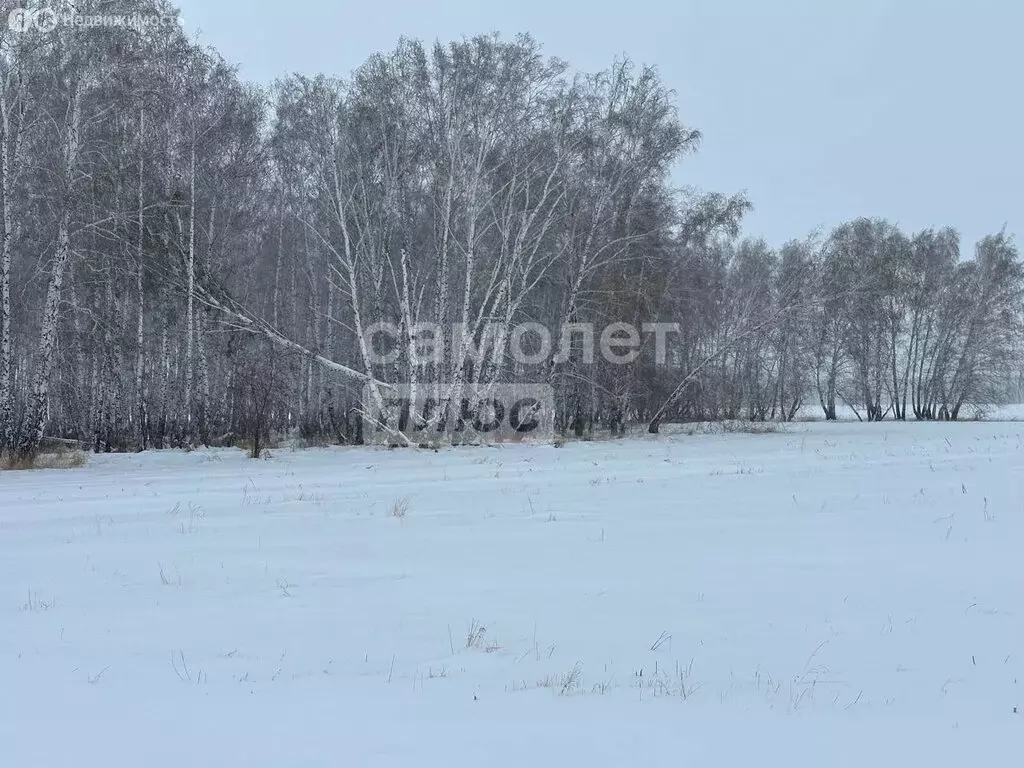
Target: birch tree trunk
x=6 y=351
x=190 y=268
x=11 y=131
x=142 y=429
x=36 y=413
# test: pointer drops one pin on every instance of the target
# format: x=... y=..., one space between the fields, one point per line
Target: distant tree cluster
x=187 y=258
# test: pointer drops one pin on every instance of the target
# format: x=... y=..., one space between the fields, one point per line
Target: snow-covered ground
x=837 y=594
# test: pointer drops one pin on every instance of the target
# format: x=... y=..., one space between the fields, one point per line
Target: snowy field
x=832 y=595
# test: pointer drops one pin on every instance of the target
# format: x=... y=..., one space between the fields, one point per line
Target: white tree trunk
x=6 y=351
x=11 y=103
x=140 y=357
x=190 y=268
x=35 y=416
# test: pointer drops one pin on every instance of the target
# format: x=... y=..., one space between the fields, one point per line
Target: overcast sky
x=822 y=111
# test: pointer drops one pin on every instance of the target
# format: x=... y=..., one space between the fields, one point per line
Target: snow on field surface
x=838 y=594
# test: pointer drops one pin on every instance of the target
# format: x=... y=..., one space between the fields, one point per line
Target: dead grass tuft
x=399 y=508
x=753 y=427
x=61 y=459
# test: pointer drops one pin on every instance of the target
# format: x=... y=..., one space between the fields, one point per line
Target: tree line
x=188 y=258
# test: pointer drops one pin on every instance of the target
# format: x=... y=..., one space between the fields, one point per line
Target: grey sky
x=821 y=110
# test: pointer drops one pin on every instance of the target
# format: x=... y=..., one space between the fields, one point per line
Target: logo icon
x=25 y=19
